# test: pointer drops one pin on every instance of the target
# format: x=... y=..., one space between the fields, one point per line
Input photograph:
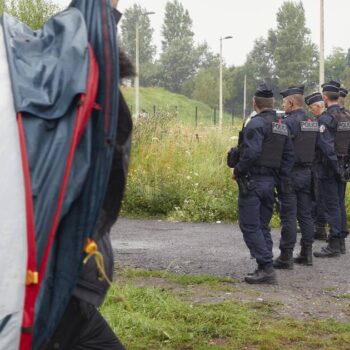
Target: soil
x=321 y=291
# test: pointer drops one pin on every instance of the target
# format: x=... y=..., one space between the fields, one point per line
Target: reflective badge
x=280 y=129
x=322 y=128
x=309 y=126
x=343 y=126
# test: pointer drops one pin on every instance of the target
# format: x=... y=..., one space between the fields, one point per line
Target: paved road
x=219 y=249
x=216 y=249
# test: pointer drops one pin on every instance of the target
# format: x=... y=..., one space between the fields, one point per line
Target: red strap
x=31 y=289
x=83 y=115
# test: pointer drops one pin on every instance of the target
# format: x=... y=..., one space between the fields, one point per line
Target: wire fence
x=196 y=115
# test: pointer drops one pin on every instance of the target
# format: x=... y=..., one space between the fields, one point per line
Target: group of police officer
x=302 y=160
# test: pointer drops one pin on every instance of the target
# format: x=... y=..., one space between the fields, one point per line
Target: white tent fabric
x=13 y=236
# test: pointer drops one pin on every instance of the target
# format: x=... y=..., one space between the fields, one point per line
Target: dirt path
x=321 y=291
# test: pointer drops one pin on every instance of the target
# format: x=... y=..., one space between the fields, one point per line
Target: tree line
x=284 y=57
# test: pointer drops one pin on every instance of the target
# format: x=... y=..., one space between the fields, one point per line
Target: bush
x=178 y=172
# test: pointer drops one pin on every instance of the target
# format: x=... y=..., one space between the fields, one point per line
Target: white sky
x=247 y=20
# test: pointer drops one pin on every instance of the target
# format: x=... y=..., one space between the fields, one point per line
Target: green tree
x=336 y=64
x=177 y=24
x=178 y=64
x=295 y=56
x=2 y=6
x=181 y=59
x=32 y=12
x=132 y=16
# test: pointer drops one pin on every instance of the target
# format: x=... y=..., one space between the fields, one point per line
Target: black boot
x=320 y=232
x=285 y=260
x=305 y=256
x=331 y=250
x=262 y=275
x=342 y=246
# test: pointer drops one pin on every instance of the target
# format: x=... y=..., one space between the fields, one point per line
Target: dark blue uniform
x=295 y=194
x=256 y=206
x=332 y=188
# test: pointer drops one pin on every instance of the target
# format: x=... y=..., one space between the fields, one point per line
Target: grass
x=181 y=106
x=149 y=316
x=179 y=172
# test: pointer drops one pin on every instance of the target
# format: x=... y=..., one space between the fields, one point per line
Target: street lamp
x=137 y=60
x=321 y=43
x=220 y=83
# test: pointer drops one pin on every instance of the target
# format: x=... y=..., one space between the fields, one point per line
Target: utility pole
x=321 y=43
x=220 y=82
x=245 y=96
x=137 y=64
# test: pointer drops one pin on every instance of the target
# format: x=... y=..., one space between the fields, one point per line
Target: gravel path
x=322 y=290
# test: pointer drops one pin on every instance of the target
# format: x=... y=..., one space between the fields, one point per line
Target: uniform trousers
x=255 y=212
x=296 y=205
x=333 y=197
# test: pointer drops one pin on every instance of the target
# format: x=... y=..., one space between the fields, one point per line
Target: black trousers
x=83 y=328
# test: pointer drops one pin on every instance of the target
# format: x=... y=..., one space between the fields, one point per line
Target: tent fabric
x=49 y=71
x=13 y=236
x=50 y=64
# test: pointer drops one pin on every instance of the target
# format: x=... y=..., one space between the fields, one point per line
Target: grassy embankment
x=178 y=171
x=159 y=310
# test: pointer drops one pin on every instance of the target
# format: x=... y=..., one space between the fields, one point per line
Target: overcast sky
x=248 y=20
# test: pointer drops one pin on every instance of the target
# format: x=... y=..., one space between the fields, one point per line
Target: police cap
x=331 y=86
x=263 y=91
x=343 y=92
x=293 y=90
x=313 y=98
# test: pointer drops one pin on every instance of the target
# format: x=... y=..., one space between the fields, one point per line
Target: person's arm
x=287 y=162
x=325 y=141
x=253 y=137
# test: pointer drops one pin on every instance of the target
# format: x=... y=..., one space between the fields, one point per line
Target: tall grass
x=179 y=172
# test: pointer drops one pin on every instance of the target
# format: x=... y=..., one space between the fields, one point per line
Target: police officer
x=316 y=106
x=333 y=144
x=295 y=191
x=342 y=96
x=264 y=151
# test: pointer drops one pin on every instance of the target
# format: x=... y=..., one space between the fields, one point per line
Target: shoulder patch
x=250 y=134
x=280 y=129
x=322 y=128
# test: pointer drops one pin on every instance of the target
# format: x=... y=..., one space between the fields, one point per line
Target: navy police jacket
x=327 y=162
x=254 y=135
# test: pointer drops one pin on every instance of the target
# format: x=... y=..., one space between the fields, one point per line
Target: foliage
x=179 y=172
x=294 y=56
x=32 y=12
x=178 y=64
x=131 y=17
x=177 y=24
x=153 y=311
x=336 y=64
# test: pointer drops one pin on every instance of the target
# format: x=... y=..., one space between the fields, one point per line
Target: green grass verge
x=151 y=317
x=181 y=106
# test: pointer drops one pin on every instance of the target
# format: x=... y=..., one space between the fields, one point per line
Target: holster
x=245 y=184
x=232 y=157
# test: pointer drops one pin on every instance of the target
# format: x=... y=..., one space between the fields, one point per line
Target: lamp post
x=137 y=64
x=321 y=43
x=220 y=82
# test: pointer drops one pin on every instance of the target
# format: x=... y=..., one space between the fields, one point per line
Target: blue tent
x=65 y=87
